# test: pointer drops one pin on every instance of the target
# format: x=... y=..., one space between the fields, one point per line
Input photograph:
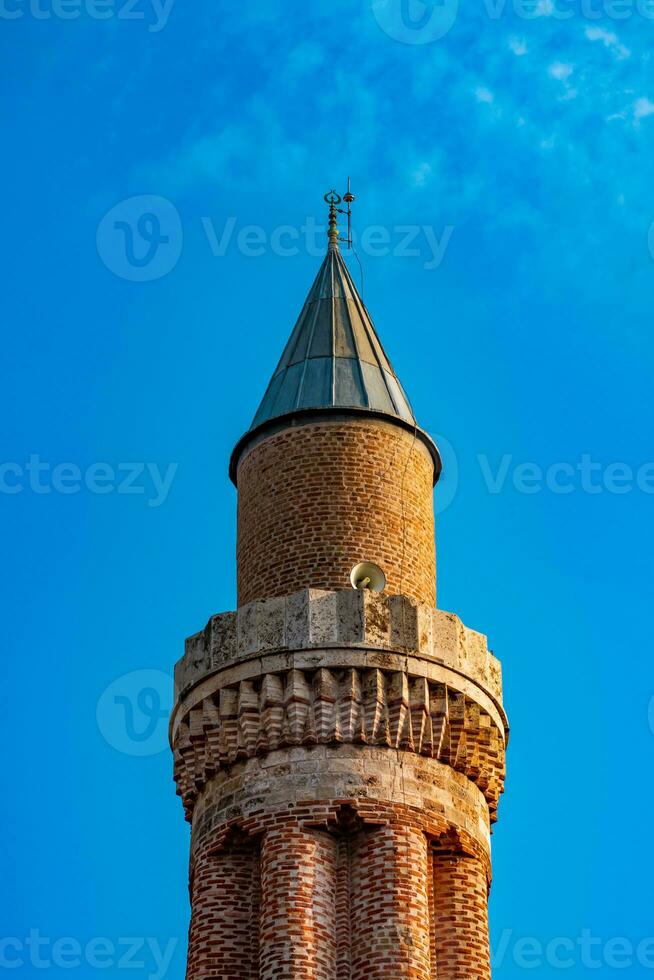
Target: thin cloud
x=560 y=70
x=483 y=94
x=643 y=107
x=609 y=39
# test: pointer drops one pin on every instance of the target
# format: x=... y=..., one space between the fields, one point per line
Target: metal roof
x=333 y=359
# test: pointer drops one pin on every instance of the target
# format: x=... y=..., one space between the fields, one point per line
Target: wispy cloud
x=561 y=115
x=483 y=94
x=560 y=70
x=643 y=107
x=609 y=39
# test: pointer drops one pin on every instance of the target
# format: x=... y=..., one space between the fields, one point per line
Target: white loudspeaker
x=365 y=575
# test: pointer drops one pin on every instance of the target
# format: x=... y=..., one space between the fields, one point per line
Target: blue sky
x=160 y=163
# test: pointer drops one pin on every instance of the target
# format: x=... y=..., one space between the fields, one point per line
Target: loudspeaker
x=365 y=575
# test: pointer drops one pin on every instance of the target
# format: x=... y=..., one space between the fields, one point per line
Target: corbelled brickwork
x=314 y=500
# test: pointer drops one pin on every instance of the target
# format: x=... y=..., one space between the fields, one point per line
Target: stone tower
x=339 y=750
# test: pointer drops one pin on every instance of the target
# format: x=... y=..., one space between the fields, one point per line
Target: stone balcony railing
x=314 y=619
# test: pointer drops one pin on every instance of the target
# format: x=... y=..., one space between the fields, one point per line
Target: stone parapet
x=329 y=669
x=316 y=619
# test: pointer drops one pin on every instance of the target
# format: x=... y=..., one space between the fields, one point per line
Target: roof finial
x=333 y=199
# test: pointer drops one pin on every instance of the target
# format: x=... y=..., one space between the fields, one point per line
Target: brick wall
x=316 y=499
x=298 y=923
x=341 y=900
x=389 y=908
x=460 y=917
x=225 y=896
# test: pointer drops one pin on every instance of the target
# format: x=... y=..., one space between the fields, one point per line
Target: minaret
x=339 y=742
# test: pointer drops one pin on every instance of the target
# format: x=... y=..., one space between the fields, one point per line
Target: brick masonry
x=314 y=500
x=224 y=934
x=460 y=901
x=345 y=890
x=340 y=755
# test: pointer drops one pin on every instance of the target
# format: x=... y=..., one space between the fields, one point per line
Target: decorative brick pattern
x=225 y=897
x=342 y=909
x=389 y=905
x=460 y=917
x=315 y=499
x=349 y=891
x=298 y=922
x=372 y=707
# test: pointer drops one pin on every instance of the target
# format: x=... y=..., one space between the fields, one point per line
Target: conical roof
x=333 y=363
x=334 y=359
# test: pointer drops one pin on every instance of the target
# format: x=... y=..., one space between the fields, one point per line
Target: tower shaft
x=315 y=499
x=339 y=752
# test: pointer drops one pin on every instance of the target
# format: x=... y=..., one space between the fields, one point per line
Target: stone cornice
x=314 y=619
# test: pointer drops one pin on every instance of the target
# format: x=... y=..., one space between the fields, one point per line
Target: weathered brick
x=314 y=500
